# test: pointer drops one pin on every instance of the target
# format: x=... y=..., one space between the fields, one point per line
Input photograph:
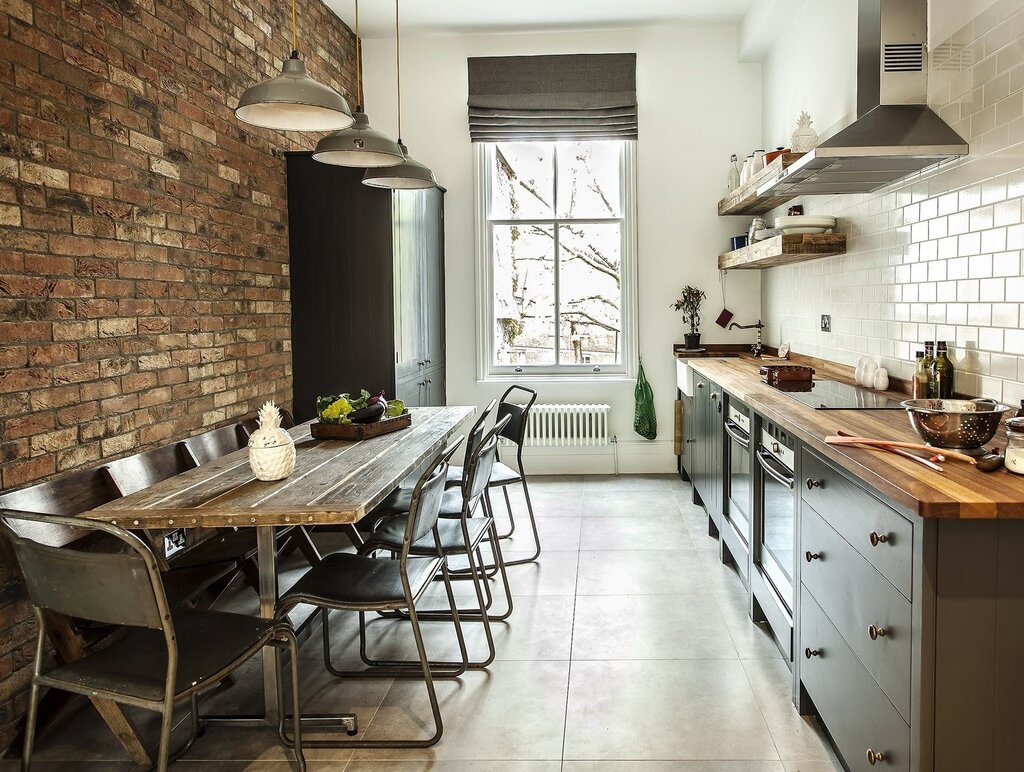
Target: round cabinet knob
x=878 y=538
x=689 y=441
x=809 y=556
x=714 y=395
x=877 y=632
x=811 y=483
x=809 y=652
x=421 y=363
x=427 y=361
x=422 y=383
x=700 y=385
x=875 y=756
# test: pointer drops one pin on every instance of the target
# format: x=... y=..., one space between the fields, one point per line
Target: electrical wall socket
x=826 y=322
x=174 y=542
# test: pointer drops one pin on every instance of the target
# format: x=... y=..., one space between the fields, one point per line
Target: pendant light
x=359 y=145
x=293 y=101
x=410 y=174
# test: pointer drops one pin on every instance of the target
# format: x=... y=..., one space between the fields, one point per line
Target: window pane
x=524 y=295
x=590 y=272
x=588 y=179
x=522 y=181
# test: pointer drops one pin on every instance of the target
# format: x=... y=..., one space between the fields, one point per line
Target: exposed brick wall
x=143 y=234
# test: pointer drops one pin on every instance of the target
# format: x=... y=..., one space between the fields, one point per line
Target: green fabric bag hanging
x=645 y=422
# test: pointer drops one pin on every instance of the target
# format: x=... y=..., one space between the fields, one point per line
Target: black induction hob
x=823 y=394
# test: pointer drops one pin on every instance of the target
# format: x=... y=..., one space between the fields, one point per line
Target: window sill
x=559 y=378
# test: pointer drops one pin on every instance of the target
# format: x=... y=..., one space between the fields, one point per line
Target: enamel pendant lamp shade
x=409 y=174
x=293 y=101
x=360 y=145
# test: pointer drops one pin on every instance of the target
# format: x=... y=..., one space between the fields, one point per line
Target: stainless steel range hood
x=896 y=133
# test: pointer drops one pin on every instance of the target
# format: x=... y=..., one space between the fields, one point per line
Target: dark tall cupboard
x=367 y=287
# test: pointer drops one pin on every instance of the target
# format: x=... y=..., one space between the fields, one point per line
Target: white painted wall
x=697 y=105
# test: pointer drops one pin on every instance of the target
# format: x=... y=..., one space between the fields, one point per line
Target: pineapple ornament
x=271 y=448
x=805 y=139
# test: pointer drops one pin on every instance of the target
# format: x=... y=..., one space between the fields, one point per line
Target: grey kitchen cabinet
x=689 y=450
x=708 y=473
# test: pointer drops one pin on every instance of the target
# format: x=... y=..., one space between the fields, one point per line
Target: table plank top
x=334 y=482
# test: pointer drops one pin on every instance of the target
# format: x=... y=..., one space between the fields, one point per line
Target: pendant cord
x=295 y=47
x=359 y=65
x=398 y=71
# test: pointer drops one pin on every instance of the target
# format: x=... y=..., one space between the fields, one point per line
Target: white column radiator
x=568 y=425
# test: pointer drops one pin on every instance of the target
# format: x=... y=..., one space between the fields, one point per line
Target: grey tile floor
x=629 y=650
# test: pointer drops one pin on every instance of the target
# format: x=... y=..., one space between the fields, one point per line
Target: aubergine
x=377 y=398
x=368 y=414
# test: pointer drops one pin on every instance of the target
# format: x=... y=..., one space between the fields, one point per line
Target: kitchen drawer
x=858 y=715
x=859 y=600
x=879 y=533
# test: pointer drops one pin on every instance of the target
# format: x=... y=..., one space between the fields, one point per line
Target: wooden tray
x=356 y=432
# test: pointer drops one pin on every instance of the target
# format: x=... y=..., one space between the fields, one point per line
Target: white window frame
x=487 y=370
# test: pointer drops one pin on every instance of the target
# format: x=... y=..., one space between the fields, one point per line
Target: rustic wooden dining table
x=334 y=483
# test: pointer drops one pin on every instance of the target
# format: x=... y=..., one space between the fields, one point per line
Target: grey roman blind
x=544 y=98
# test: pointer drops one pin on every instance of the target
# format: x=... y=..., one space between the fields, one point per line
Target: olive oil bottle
x=929 y=367
x=943 y=370
x=921 y=378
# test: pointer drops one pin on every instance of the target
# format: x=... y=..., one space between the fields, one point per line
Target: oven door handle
x=733 y=430
x=768 y=464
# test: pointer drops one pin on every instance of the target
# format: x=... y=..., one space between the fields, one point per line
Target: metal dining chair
x=356 y=582
x=462 y=537
x=165 y=655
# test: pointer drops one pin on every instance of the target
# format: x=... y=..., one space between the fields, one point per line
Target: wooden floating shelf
x=745 y=200
x=783 y=250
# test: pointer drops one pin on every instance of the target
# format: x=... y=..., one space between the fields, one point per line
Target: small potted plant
x=689 y=303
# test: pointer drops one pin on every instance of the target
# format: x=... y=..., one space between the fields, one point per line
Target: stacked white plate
x=805 y=223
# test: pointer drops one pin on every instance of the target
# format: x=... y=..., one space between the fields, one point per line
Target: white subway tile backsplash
x=939 y=255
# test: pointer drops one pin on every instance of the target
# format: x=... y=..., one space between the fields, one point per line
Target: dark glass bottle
x=1020 y=413
x=943 y=369
x=929 y=366
x=921 y=378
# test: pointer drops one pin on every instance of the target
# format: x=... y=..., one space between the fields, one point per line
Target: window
x=557 y=281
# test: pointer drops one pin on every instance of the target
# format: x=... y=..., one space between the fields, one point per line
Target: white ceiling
x=376 y=17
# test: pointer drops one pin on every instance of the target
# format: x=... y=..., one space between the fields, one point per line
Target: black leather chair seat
x=501 y=474
x=135 y=664
x=400 y=500
x=346 y=581
x=390 y=532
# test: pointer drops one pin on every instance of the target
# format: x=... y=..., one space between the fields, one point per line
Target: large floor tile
x=492 y=765
x=664 y=710
x=651 y=572
x=664 y=532
x=556 y=533
x=813 y=766
x=635 y=483
x=673 y=766
x=548 y=501
x=797 y=738
x=631 y=503
x=515 y=711
x=650 y=627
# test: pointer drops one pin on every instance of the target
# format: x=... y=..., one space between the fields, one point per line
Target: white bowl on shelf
x=805 y=223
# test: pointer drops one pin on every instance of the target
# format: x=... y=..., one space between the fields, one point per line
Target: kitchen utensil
x=930 y=463
x=773 y=374
x=738 y=242
x=1015 y=445
x=949 y=454
x=955 y=423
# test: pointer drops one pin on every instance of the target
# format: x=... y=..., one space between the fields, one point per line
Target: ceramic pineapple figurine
x=271 y=448
x=805 y=139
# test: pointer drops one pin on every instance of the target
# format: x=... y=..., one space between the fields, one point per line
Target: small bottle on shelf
x=734 y=174
x=929 y=367
x=920 y=382
x=943 y=369
x=1020 y=412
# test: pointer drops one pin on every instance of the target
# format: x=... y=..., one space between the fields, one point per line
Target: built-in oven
x=738 y=485
x=774 y=553
x=777 y=511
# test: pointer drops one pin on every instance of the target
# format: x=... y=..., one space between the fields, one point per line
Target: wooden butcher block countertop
x=961 y=491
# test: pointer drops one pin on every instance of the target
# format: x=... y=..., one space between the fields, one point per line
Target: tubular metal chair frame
x=433 y=479
x=279 y=635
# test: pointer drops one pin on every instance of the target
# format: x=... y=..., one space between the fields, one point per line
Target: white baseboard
x=634 y=457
